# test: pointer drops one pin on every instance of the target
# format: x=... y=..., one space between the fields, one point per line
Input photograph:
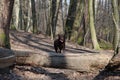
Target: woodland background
x=93 y=24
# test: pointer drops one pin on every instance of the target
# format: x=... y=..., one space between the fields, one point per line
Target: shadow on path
x=41 y=44
x=106 y=74
x=39 y=70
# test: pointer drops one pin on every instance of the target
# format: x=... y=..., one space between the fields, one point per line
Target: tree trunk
x=16 y=13
x=54 y=12
x=21 y=16
x=50 y=20
x=95 y=7
x=117 y=26
x=70 y=18
x=65 y=11
x=92 y=27
x=34 y=16
x=59 y=21
x=29 y=18
x=115 y=62
x=5 y=18
x=78 y=20
x=86 y=25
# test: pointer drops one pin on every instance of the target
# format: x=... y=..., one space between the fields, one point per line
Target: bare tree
x=117 y=28
x=59 y=21
x=34 y=16
x=70 y=18
x=5 y=18
x=92 y=26
x=115 y=61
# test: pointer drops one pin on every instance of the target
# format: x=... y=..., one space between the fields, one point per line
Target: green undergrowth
x=105 y=45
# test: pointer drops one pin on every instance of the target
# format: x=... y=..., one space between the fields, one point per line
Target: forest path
x=40 y=43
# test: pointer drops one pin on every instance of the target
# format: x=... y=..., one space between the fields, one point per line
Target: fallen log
x=7 y=58
x=85 y=62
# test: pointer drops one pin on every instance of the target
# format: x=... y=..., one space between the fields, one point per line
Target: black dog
x=59 y=44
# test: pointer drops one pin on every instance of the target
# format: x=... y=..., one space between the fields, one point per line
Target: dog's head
x=61 y=38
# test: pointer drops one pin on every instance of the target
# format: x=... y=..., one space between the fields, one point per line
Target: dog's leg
x=60 y=50
x=56 y=49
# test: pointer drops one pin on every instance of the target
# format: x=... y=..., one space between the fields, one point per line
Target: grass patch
x=105 y=45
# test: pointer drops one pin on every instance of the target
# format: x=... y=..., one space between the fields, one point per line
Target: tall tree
x=70 y=18
x=34 y=16
x=54 y=13
x=5 y=18
x=78 y=20
x=92 y=26
x=115 y=61
x=16 y=13
x=59 y=21
x=117 y=26
x=49 y=30
x=29 y=17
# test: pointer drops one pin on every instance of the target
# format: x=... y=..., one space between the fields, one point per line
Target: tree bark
x=117 y=26
x=92 y=26
x=78 y=20
x=16 y=14
x=70 y=18
x=59 y=21
x=54 y=13
x=115 y=61
x=5 y=18
x=34 y=16
x=29 y=18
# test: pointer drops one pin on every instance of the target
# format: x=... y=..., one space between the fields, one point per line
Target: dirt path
x=42 y=73
x=40 y=43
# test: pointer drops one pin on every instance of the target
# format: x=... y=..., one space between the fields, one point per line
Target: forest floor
x=40 y=43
